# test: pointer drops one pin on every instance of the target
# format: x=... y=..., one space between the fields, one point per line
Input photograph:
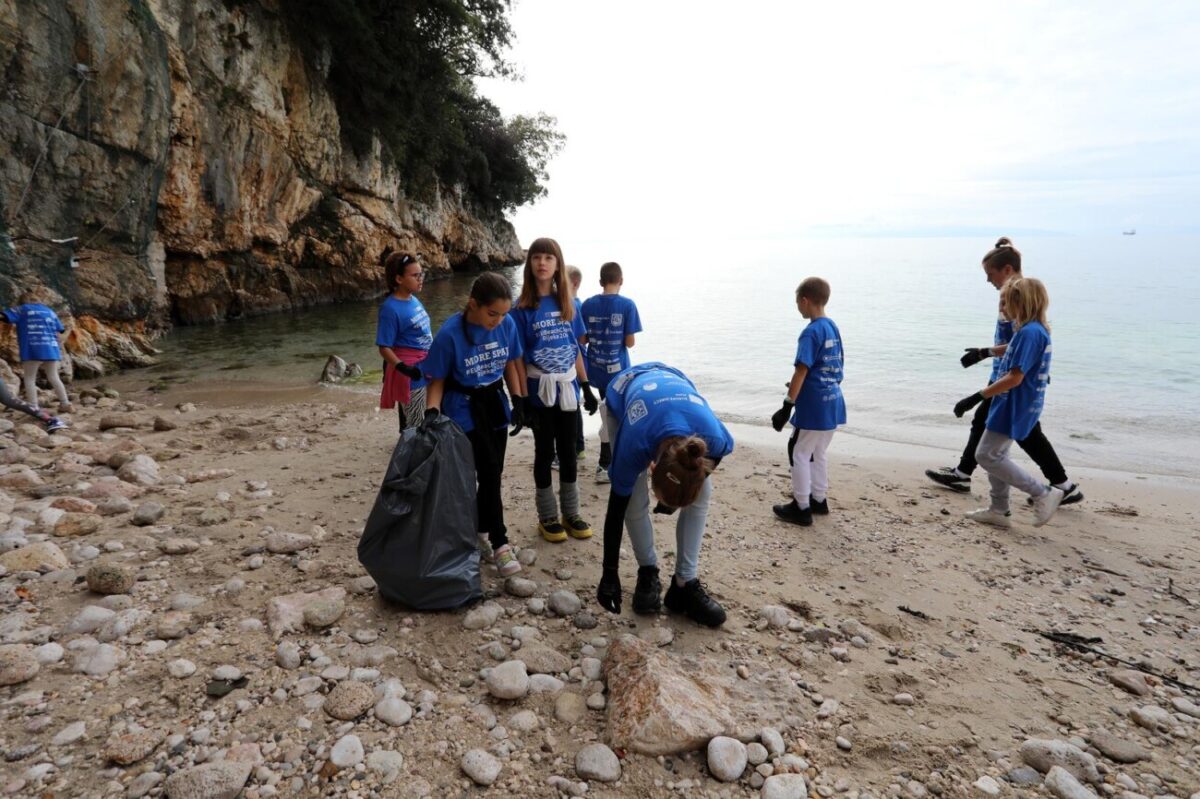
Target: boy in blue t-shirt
x=814 y=403
x=37 y=338
x=612 y=322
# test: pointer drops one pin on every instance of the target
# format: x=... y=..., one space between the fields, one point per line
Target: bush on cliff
x=404 y=70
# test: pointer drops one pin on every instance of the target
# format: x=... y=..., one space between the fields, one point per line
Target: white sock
x=961 y=475
x=1064 y=486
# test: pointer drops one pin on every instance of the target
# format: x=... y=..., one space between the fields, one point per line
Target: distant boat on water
x=1130 y=232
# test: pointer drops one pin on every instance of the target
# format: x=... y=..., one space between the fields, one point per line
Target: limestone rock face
x=200 y=163
x=659 y=704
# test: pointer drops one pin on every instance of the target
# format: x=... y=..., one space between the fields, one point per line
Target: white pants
x=810 y=479
x=50 y=369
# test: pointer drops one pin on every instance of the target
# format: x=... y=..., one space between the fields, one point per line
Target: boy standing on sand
x=814 y=403
x=612 y=322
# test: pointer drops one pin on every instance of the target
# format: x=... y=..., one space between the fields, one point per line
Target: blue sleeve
x=1025 y=351
x=633 y=322
x=516 y=348
x=577 y=327
x=12 y=315
x=388 y=328
x=808 y=348
x=439 y=364
x=58 y=325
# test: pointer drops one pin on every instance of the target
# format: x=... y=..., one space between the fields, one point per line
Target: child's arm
x=797 y=382
x=590 y=403
x=781 y=416
x=434 y=392
x=1006 y=383
x=629 y=341
x=514 y=379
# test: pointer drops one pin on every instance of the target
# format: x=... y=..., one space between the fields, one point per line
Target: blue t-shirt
x=404 y=323
x=474 y=362
x=820 y=405
x=1015 y=412
x=37 y=332
x=653 y=401
x=549 y=342
x=1003 y=335
x=608 y=319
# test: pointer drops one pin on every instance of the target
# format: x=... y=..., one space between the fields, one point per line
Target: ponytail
x=680 y=470
x=1002 y=255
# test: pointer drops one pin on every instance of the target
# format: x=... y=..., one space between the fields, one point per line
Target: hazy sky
x=771 y=119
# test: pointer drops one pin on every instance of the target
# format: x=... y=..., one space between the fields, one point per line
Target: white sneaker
x=992 y=517
x=506 y=561
x=485 y=549
x=1045 y=505
x=602 y=475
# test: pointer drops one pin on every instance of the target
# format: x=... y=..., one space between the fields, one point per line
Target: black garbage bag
x=419 y=542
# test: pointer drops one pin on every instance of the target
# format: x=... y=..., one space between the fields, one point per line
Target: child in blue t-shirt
x=665 y=434
x=473 y=355
x=814 y=403
x=403 y=336
x=37 y=337
x=550 y=332
x=611 y=322
x=575 y=276
x=1017 y=399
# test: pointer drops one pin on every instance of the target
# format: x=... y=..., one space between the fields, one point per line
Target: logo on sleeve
x=637 y=411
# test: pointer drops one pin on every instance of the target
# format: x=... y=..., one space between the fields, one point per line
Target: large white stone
x=726 y=758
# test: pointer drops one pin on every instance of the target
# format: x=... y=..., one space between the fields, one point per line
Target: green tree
x=404 y=70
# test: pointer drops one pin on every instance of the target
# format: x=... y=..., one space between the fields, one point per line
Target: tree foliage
x=404 y=70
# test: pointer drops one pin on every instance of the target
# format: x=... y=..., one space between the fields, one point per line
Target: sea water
x=1124 y=313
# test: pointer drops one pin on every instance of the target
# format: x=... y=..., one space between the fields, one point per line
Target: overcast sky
x=776 y=119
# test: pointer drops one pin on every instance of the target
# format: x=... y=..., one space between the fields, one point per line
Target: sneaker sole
x=797 y=522
x=961 y=487
x=554 y=538
x=580 y=536
x=509 y=572
x=1073 y=498
x=999 y=525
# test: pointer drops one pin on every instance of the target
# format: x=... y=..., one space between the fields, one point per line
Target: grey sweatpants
x=689 y=527
x=993 y=455
x=50 y=369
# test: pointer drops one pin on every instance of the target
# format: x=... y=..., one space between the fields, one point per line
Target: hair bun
x=1003 y=241
x=696 y=449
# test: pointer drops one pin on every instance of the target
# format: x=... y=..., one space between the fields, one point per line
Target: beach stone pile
x=184 y=616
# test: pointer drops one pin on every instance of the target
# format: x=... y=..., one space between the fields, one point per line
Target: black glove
x=590 y=403
x=518 y=421
x=781 y=416
x=431 y=414
x=411 y=372
x=609 y=592
x=973 y=355
x=967 y=403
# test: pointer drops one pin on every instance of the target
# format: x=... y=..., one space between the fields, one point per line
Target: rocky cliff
x=196 y=162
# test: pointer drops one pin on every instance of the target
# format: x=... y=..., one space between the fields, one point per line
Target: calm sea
x=1125 y=313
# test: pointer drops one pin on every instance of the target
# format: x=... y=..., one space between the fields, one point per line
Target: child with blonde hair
x=1018 y=397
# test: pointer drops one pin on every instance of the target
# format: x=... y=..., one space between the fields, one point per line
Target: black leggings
x=554 y=431
x=1036 y=446
x=489 y=466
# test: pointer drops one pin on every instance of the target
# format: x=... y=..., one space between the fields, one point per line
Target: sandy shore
x=928 y=701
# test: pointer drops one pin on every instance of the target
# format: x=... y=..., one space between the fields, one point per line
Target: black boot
x=647 y=594
x=693 y=601
x=821 y=508
x=791 y=512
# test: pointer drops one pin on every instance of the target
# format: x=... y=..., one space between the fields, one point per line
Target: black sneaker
x=693 y=601
x=1073 y=495
x=950 y=478
x=793 y=513
x=647 y=594
x=821 y=508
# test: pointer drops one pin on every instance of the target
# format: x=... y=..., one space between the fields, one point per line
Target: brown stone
x=110 y=421
x=74 y=504
x=1129 y=680
x=127 y=749
x=40 y=557
x=655 y=707
x=70 y=524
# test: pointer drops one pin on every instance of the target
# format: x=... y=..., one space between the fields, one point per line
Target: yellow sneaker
x=577 y=527
x=552 y=531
